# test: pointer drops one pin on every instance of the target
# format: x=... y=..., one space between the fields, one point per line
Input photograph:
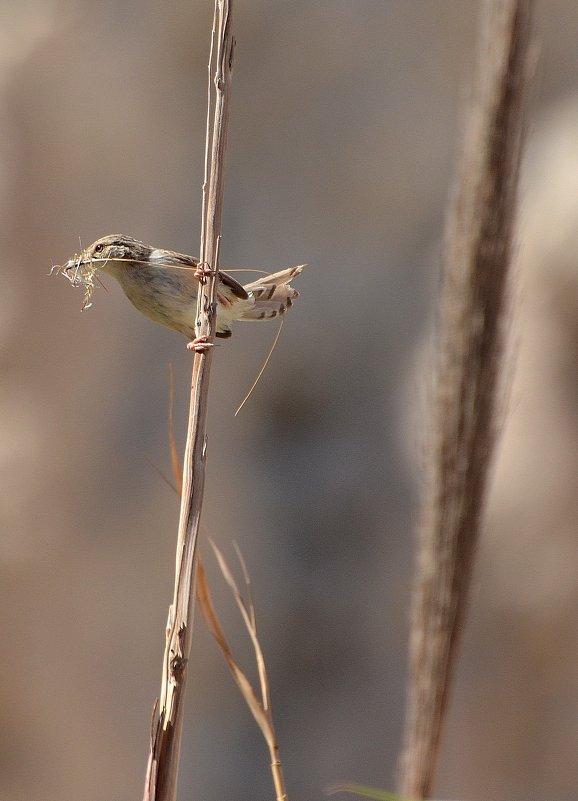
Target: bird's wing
x=170 y=258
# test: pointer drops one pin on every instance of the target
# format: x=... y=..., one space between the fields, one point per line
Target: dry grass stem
x=83 y=271
x=263 y=367
x=162 y=769
x=176 y=468
x=260 y=707
x=478 y=249
x=80 y=274
x=375 y=793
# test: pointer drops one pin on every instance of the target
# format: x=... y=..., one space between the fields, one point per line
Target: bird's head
x=110 y=254
x=113 y=250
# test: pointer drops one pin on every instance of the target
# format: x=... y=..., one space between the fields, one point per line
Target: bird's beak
x=70 y=265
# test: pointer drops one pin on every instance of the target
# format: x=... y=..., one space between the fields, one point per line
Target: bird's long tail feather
x=272 y=294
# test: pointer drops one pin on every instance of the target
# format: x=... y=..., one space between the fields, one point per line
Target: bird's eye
x=99 y=248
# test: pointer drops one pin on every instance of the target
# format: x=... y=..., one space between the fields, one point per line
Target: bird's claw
x=200 y=345
x=203 y=271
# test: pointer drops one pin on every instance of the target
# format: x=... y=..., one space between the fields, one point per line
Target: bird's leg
x=202 y=272
x=201 y=344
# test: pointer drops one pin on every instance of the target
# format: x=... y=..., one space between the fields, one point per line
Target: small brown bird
x=164 y=285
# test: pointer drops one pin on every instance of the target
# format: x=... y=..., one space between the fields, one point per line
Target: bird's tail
x=272 y=295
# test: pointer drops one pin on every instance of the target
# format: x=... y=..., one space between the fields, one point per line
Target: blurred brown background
x=345 y=123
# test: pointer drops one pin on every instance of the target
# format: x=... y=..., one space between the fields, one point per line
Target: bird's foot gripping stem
x=200 y=345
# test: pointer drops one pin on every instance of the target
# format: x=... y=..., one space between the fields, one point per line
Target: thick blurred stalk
x=477 y=258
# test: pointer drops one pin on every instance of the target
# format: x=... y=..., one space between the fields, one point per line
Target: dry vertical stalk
x=478 y=249
x=260 y=707
x=163 y=762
